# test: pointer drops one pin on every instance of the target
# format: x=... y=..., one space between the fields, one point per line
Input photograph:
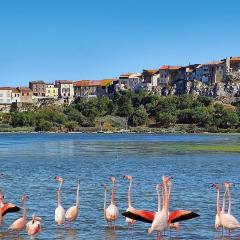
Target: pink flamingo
x=160 y=222
x=20 y=223
x=6 y=207
x=129 y=221
x=175 y=225
x=72 y=212
x=111 y=212
x=227 y=220
x=59 y=212
x=34 y=226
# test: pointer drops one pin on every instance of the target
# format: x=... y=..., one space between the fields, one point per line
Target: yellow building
x=51 y=91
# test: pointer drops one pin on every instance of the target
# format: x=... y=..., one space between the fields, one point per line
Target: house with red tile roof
x=168 y=74
x=151 y=78
x=132 y=81
x=93 y=88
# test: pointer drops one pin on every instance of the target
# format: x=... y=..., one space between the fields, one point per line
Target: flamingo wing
x=140 y=215
x=181 y=215
x=8 y=208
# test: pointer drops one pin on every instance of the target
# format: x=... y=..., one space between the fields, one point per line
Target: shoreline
x=120 y=133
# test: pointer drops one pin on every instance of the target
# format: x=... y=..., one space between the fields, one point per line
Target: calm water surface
x=31 y=162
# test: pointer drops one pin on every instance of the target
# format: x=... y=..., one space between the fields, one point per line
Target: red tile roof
x=94 y=83
x=167 y=67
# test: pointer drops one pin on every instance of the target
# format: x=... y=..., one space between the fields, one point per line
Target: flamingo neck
x=224 y=200
x=159 y=200
x=229 y=201
x=168 y=195
x=129 y=195
x=113 y=195
x=218 y=201
x=105 y=203
x=59 y=197
x=24 y=211
x=77 y=195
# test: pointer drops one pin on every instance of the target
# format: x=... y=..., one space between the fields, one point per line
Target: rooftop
x=5 y=88
x=94 y=83
x=37 y=82
x=64 y=81
x=151 y=71
x=168 y=67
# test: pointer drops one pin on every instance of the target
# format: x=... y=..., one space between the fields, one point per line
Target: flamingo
x=218 y=223
x=160 y=221
x=129 y=221
x=34 y=226
x=175 y=225
x=111 y=212
x=6 y=207
x=20 y=223
x=72 y=212
x=227 y=220
x=59 y=212
x=148 y=216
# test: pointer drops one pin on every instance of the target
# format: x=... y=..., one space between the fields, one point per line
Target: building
x=5 y=95
x=16 y=95
x=5 y=99
x=168 y=74
x=131 y=81
x=65 y=89
x=232 y=68
x=51 y=91
x=26 y=95
x=232 y=64
x=38 y=88
x=210 y=73
x=151 y=78
x=94 y=88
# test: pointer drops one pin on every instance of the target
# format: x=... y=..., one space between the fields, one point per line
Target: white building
x=5 y=95
x=131 y=81
x=65 y=89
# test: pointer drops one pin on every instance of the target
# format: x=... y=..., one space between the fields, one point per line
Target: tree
x=202 y=116
x=71 y=125
x=124 y=106
x=139 y=117
x=23 y=119
x=44 y=125
x=185 y=116
x=166 y=119
x=74 y=115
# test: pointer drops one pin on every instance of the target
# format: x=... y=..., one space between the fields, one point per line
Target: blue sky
x=95 y=39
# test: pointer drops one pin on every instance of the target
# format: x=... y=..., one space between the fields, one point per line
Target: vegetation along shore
x=129 y=111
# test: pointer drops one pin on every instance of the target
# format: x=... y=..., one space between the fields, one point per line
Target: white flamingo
x=111 y=213
x=72 y=212
x=129 y=221
x=20 y=223
x=59 y=212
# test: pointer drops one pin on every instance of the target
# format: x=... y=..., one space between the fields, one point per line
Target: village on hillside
x=214 y=79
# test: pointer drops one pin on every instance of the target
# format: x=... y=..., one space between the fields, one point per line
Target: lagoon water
x=31 y=161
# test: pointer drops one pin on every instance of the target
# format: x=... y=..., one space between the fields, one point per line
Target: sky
x=95 y=39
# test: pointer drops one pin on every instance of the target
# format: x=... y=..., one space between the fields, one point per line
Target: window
x=1 y=95
x=48 y=91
